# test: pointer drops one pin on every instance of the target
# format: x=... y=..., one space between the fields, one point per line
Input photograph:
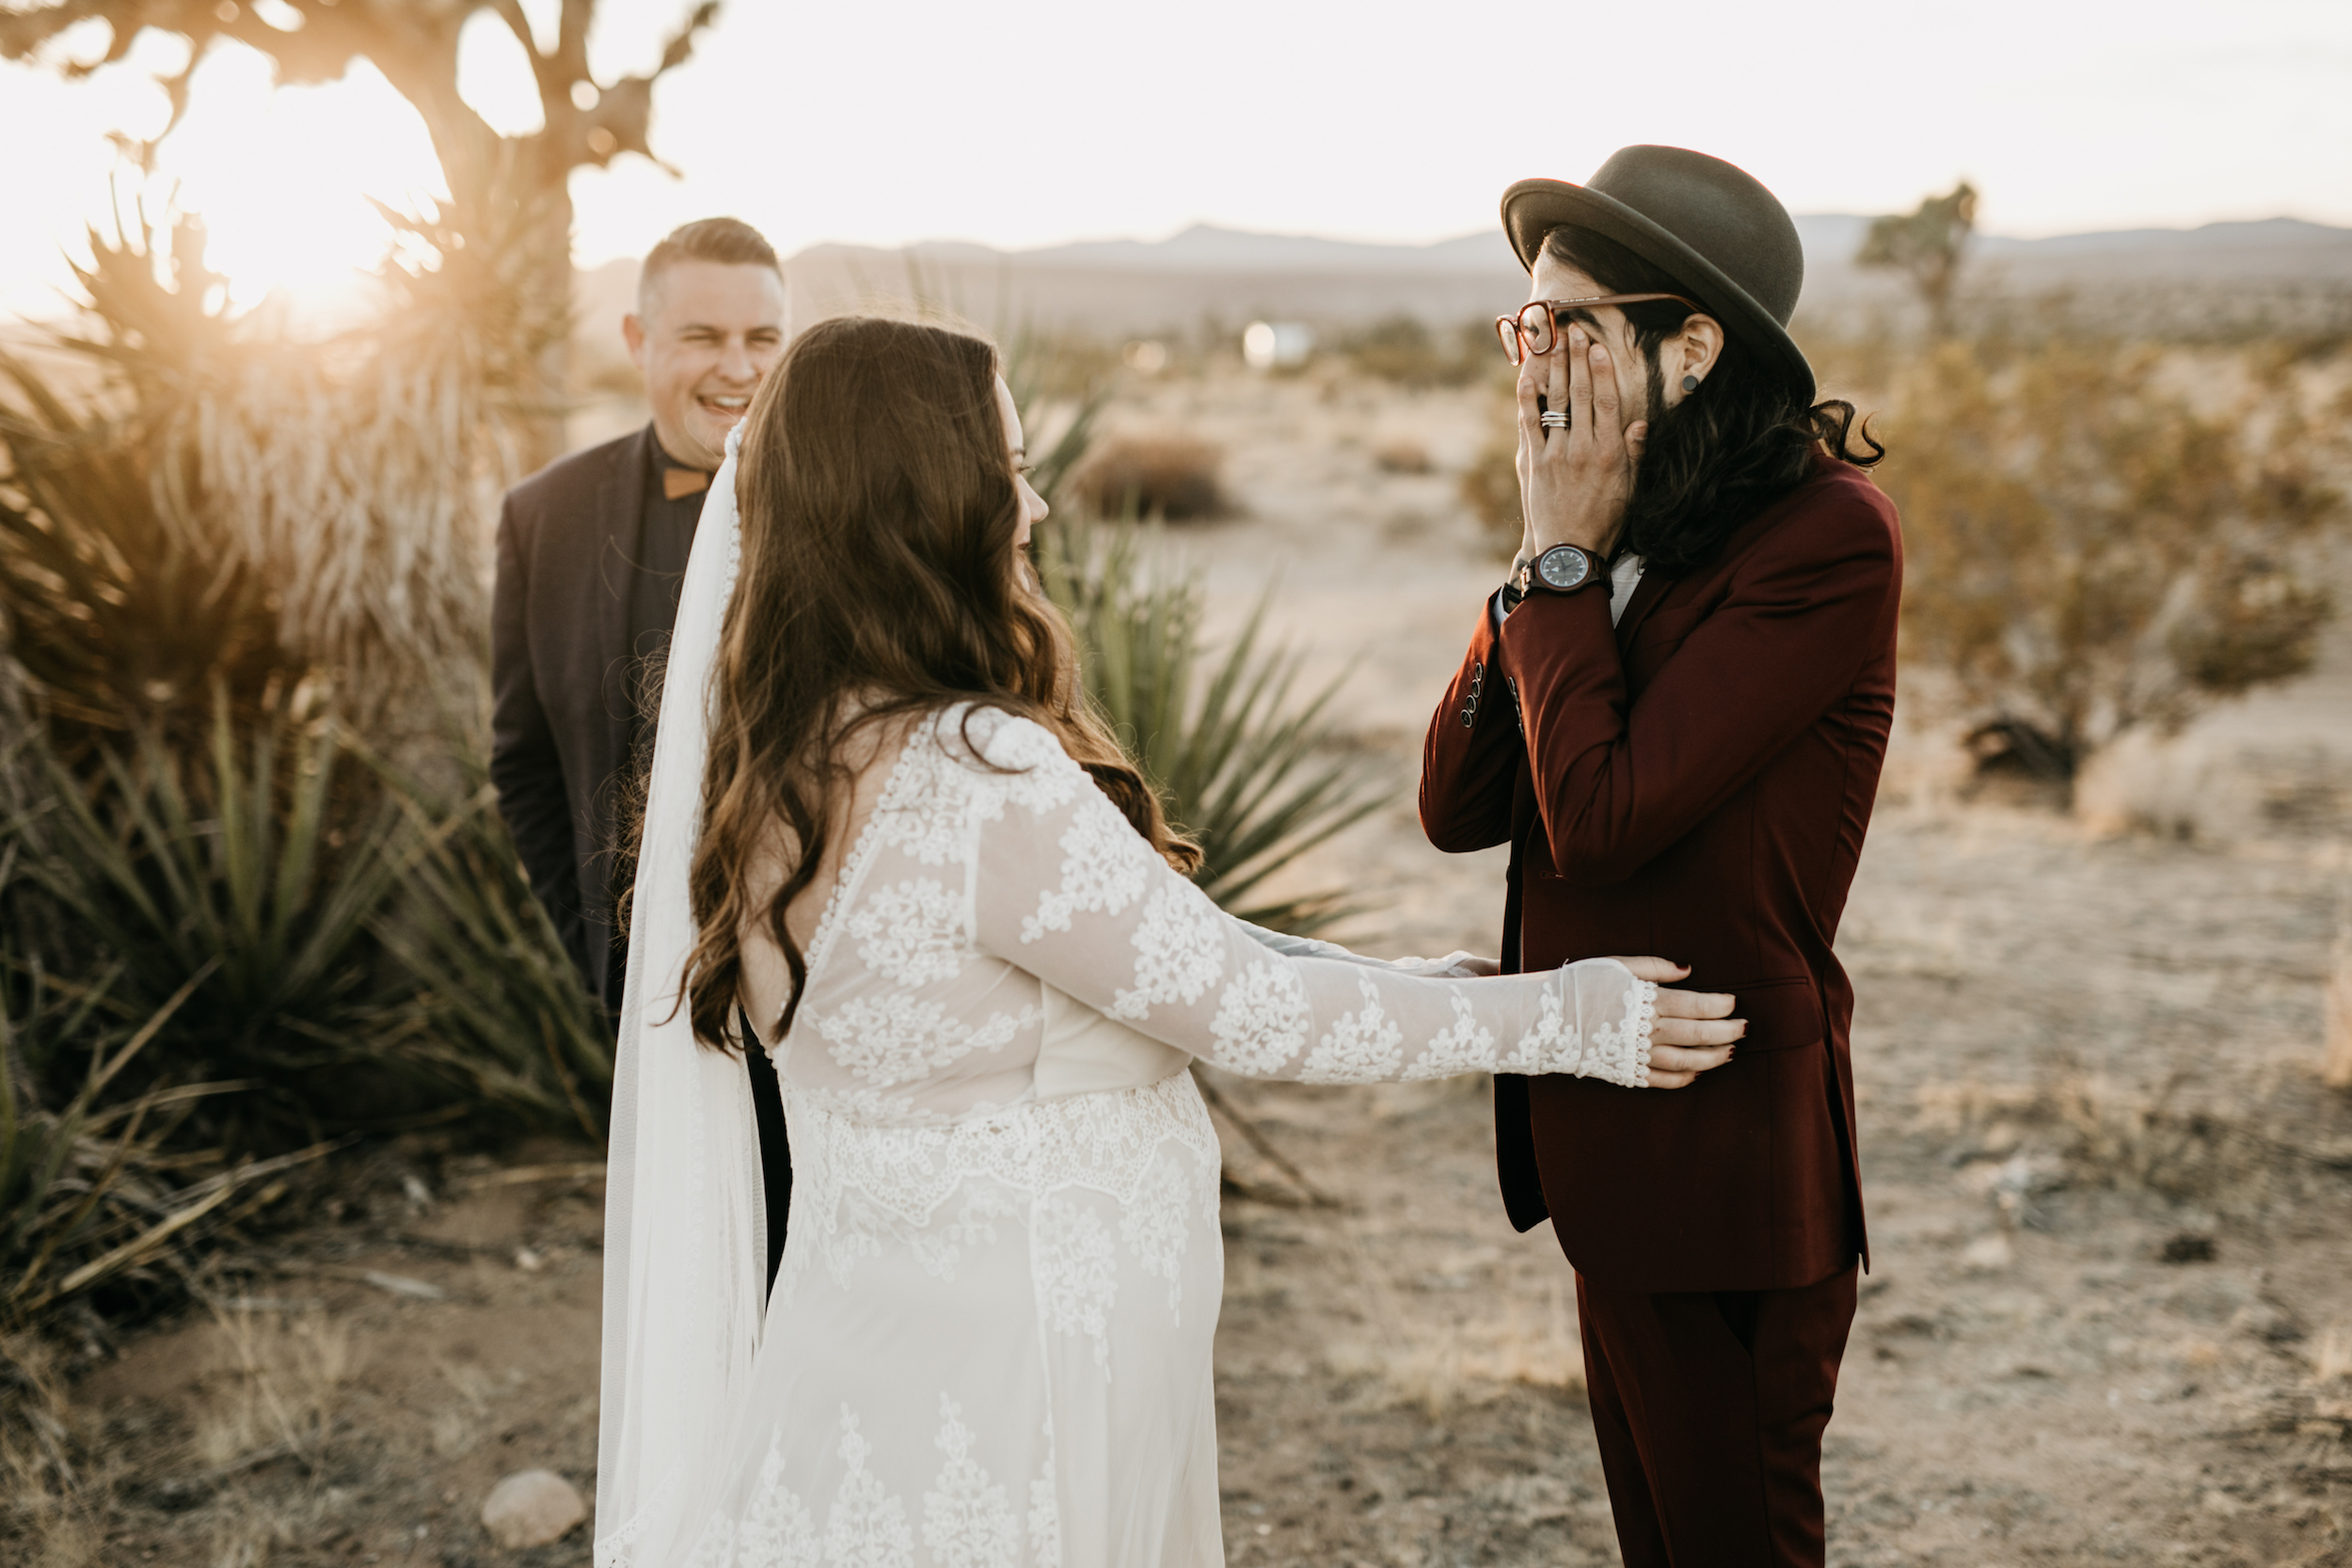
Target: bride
x=883 y=825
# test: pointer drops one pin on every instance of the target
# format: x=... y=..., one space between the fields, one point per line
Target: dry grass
x=2080 y=1129
x=1166 y=474
x=58 y=1482
x=1531 y=1343
x=275 y=1382
x=2336 y=1069
x=2185 y=789
x=1401 y=454
x=2331 y=1357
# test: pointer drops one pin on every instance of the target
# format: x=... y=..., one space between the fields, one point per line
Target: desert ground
x=2109 y=1311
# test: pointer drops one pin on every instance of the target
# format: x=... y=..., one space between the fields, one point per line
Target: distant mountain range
x=2280 y=269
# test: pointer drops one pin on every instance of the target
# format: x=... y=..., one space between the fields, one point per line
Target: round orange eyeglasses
x=1536 y=327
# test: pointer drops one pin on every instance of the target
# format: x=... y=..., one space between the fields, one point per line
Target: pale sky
x=1027 y=122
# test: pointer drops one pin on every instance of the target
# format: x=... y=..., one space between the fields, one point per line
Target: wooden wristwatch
x=1564 y=569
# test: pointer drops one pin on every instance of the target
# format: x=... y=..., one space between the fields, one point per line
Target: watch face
x=1564 y=568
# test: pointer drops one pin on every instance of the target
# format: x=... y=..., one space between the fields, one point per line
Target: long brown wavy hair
x=878 y=578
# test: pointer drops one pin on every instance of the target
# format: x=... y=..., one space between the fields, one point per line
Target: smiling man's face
x=706 y=333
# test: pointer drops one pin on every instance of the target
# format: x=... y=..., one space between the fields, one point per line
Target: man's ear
x=1696 y=347
x=633 y=334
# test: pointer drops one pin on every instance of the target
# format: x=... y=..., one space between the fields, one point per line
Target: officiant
x=591 y=552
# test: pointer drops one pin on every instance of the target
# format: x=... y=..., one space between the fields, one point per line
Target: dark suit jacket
x=560 y=667
x=1694 y=783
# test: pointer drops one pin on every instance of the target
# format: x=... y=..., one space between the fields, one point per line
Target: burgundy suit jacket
x=1695 y=784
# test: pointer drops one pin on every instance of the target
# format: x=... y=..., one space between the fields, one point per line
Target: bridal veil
x=685 y=1244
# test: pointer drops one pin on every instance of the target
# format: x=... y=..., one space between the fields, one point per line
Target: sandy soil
x=2111 y=1312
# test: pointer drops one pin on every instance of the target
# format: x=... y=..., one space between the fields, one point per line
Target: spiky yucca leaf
x=89 y=1200
x=168 y=865
x=504 y=1017
x=1239 y=765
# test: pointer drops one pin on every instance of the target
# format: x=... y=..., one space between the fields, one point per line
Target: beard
x=1666 y=433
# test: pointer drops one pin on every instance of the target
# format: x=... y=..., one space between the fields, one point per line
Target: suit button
x=1470 y=718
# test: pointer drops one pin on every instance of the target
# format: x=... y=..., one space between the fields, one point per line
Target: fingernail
x=1600 y=354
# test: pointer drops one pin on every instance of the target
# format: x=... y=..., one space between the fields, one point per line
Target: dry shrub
x=2087 y=553
x=2107 y=1136
x=57 y=1476
x=2331 y=1358
x=2180 y=787
x=1168 y=475
x=231 y=505
x=2336 y=1069
x=1402 y=350
x=1401 y=454
x=1490 y=489
x=274 y=1387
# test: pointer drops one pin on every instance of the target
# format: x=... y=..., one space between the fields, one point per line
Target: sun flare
x=281 y=179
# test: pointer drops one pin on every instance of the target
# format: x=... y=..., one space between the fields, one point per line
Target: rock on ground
x=531 y=1508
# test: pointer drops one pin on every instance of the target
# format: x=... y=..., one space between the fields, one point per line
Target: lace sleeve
x=1454 y=966
x=1066 y=889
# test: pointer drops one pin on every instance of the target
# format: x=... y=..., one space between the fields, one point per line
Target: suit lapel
x=1646 y=594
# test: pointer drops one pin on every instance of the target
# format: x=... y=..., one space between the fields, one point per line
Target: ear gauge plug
x=1689 y=382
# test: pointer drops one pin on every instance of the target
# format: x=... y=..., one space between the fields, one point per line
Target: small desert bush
x=2088 y=554
x=2173 y=1139
x=1403 y=349
x=1168 y=475
x=1490 y=489
x=1401 y=454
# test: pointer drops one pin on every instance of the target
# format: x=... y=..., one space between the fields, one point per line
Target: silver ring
x=1553 y=420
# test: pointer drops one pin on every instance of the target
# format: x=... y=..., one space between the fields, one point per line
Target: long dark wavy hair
x=1740 y=442
x=878 y=578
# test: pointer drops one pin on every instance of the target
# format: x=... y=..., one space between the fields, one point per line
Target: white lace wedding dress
x=989 y=1341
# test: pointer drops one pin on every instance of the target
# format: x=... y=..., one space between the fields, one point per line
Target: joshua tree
x=516 y=184
x=1927 y=245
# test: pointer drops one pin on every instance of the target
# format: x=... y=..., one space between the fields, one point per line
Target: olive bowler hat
x=1726 y=238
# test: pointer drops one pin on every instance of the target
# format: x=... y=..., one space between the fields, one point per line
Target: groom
x=592 y=553
x=1675 y=713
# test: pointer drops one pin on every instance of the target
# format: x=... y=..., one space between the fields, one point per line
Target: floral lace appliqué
x=866 y=1525
x=968 y=1520
x=1104 y=866
x=911 y=934
x=1362 y=1047
x=901 y=1037
x=1154 y=1227
x=1261 y=1019
x=1180 y=951
x=1076 y=1271
x=1465 y=1048
x=777 y=1530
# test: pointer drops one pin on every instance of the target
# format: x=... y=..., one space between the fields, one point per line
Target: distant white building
x=1276 y=346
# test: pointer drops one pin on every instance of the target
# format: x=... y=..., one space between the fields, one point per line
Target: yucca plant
x=1033 y=363
x=1239 y=764
x=93 y=1200
x=115 y=598
x=501 y=1014
x=245 y=863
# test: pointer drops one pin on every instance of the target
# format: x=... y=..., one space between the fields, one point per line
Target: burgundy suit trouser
x=1710 y=1408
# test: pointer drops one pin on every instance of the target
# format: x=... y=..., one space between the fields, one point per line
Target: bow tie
x=677 y=483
